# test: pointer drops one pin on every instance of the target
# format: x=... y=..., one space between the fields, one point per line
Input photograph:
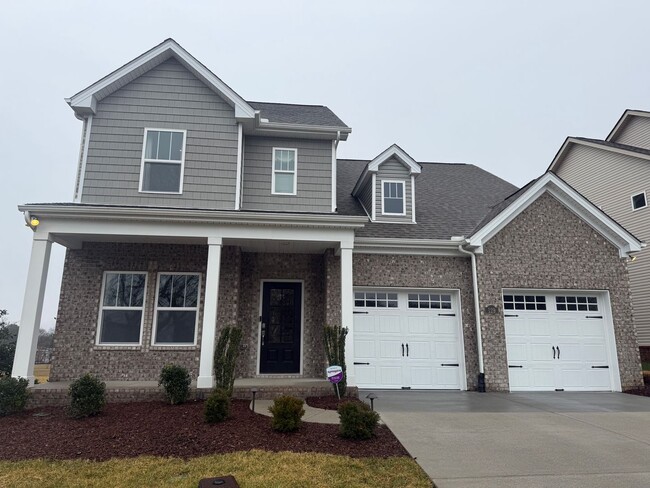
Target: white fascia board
x=570 y=140
x=575 y=202
x=373 y=166
x=85 y=99
x=279 y=128
x=141 y=214
x=427 y=247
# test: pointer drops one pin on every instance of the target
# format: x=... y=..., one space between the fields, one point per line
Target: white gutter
x=477 y=314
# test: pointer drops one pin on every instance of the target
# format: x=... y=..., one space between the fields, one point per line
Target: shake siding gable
x=314 y=171
x=393 y=170
x=609 y=179
x=167 y=97
x=635 y=132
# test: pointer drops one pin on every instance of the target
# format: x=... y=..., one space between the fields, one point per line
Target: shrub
x=87 y=396
x=13 y=395
x=176 y=381
x=287 y=412
x=357 y=420
x=217 y=406
x=335 y=351
x=225 y=358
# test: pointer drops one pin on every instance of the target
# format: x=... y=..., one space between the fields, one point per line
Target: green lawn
x=251 y=469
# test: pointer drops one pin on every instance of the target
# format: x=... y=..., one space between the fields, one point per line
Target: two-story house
x=196 y=209
x=614 y=173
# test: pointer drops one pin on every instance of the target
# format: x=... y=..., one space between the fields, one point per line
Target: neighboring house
x=615 y=175
x=195 y=209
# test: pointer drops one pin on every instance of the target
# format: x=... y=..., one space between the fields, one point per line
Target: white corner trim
x=574 y=201
x=374 y=197
x=413 y=198
x=240 y=142
x=84 y=158
x=333 y=176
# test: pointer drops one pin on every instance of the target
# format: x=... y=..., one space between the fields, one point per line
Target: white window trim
x=644 y=197
x=401 y=182
x=295 y=170
x=164 y=161
x=102 y=308
x=154 y=328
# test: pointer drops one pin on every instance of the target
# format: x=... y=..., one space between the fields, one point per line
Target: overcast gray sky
x=499 y=84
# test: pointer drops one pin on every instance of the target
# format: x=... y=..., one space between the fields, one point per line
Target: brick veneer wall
x=332 y=277
x=262 y=266
x=75 y=352
x=548 y=247
x=426 y=272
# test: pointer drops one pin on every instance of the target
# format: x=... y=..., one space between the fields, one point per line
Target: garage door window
x=576 y=304
x=429 y=300
x=524 y=302
x=375 y=300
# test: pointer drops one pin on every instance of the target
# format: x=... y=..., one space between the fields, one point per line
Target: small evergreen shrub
x=225 y=358
x=287 y=412
x=87 y=396
x=357 y=420
x=176 y=381
x=13 y=395
x=217 y=406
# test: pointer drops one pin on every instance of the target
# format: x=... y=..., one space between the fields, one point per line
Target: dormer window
x=393 y=198
x=163 y=157
x=284 y=177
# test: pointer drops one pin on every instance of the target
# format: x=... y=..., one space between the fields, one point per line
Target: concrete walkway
x=316 y=415
x=468 y=439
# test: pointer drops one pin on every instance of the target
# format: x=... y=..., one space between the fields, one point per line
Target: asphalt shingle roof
x=287 y=113
x=451 y=200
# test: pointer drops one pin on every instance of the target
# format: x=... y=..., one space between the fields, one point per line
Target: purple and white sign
x=335 y=374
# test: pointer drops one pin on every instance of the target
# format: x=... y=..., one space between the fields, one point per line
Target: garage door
x=407 y=339
x=557 y=341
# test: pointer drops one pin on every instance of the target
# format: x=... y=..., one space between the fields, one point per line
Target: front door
x=280 y=328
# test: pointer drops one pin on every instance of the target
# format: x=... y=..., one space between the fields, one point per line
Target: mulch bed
x=158 y=429
x=330 y=402
x=645 y=391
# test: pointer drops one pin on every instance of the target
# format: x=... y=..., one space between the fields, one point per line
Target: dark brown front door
x=280 y=334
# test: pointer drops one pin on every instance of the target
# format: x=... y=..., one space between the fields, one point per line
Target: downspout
x=477 y=314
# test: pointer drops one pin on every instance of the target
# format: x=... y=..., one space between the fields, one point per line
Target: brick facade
x=548 y=247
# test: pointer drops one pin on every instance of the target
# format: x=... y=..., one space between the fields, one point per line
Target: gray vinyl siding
x=314 y=175
x=609 y=180
x=167 y=97
x=635 y=132
x=365 y=196
x=393 y=170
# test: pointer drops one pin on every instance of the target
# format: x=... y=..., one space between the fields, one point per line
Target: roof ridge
x=292 y=104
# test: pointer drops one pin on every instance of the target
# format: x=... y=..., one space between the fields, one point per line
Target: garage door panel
x=419 y=350
x=543 y=377
x=593 y=328
x=365 y=350
x=422 y=377
x=390 y=376
x=517 y=352
x=390 y=349
x=446 y=326
x=540 y=352
x=366 y=374
x=539 y=328
x=365 y=324
x=446 y=351
x=390 y=324
x=447 y=377
x=418 y=325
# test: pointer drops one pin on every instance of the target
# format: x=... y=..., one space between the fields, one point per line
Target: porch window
x=163 y=158
x=177 y=307
x=393 y=198
x=284 y=171
x=122 y=305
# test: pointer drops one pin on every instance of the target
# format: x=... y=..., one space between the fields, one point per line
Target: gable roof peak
x=393 y=151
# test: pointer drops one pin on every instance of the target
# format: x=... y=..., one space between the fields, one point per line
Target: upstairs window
x=284 y=171
x=122 y=306
x=393 y=198
x=639 y=201
x=163 y=158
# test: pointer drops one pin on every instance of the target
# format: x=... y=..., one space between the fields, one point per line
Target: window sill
x=117 y=347
x=175 y=347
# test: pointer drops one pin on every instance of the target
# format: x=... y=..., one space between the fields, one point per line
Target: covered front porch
x=245 y=265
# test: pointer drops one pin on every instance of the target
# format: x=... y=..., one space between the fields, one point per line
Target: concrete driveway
x=469 y=439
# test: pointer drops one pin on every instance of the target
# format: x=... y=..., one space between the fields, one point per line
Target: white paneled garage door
x=408 y=339
x=559 y=341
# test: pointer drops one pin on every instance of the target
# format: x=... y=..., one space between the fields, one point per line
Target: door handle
x=407 y=350
x=402 y=350
x=263 y=332
x=558 y=352
x=553 y=352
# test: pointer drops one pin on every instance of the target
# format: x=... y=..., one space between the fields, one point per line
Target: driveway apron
x=469 y=439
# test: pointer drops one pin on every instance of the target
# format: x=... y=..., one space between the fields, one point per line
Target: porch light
x=372 y=397
x=34 y=222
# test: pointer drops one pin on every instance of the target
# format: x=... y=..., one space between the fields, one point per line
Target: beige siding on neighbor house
x=395 y=171
x=167 y=97
x=635 y=132
x=609 y=180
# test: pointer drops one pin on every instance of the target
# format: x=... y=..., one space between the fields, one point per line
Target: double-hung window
x=393 y=198
x=284 y=176
x=177 y=309
x=163 y=159
x=122 y=306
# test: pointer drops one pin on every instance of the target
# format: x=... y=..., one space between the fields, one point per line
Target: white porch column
x=347 y=316
x=30 y=318
x=208 y=339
